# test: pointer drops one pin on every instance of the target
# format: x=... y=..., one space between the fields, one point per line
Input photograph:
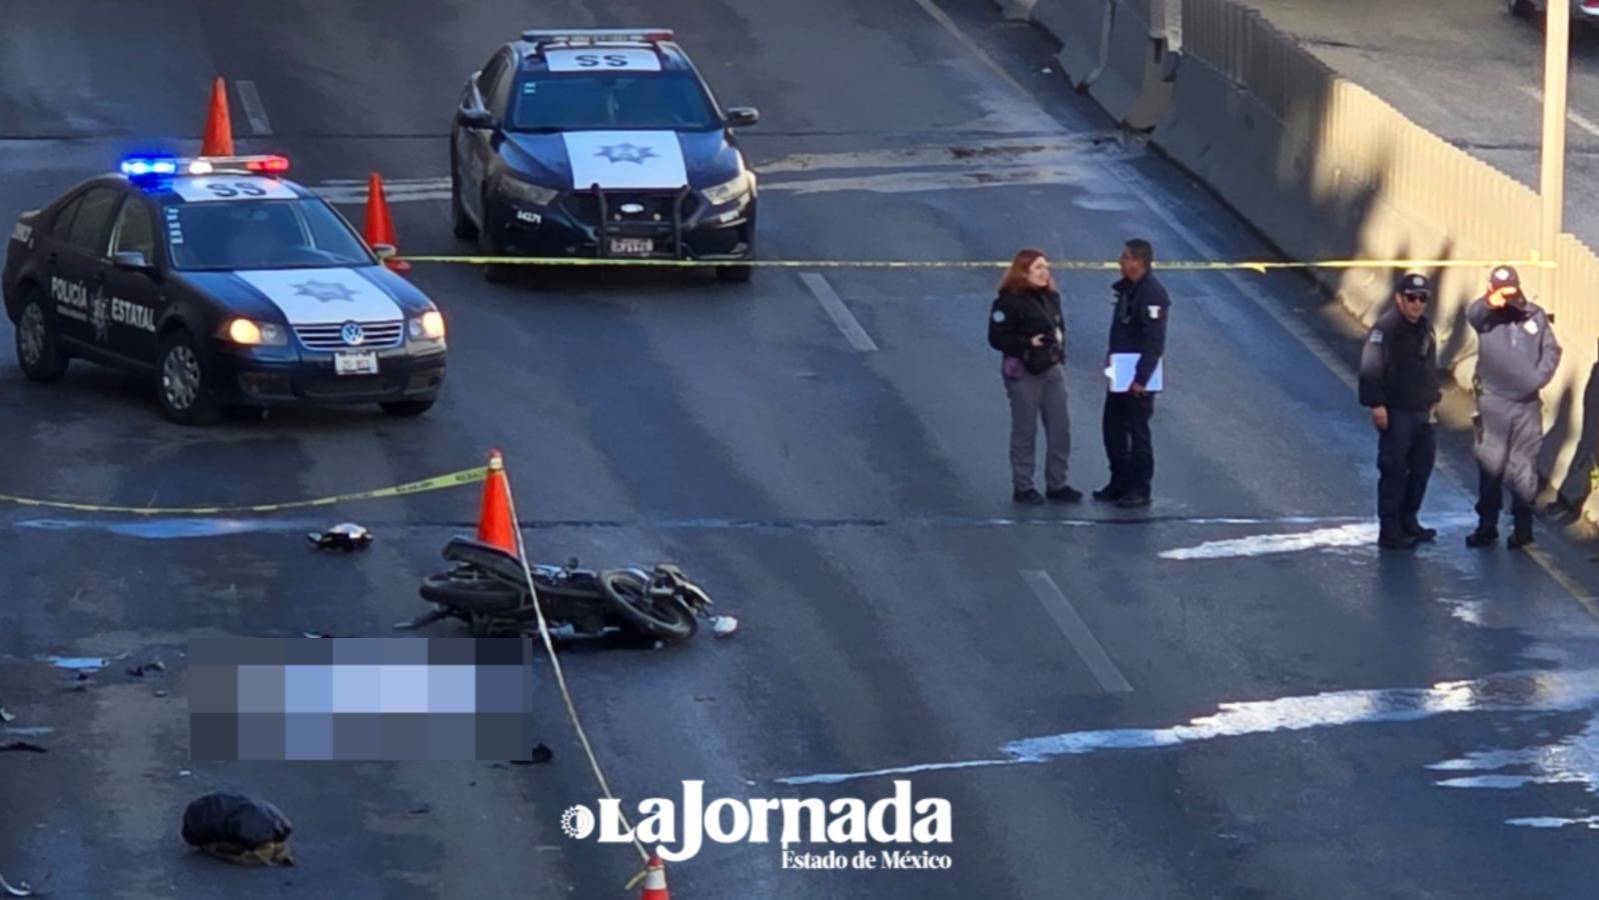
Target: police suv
x=227 y=283
x=602 y=143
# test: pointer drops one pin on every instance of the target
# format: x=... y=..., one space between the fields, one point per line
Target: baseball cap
x=1415 y=283
x=1503 y=277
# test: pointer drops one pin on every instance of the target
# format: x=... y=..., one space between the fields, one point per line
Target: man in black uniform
x=1516 y=357
x=1399 y=381
x=1137 y=326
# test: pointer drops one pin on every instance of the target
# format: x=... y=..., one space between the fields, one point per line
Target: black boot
x=1522 y=536
x=1418 y=531
x=1110 y=493
x=1486 y=535
x=1392 y=537
x=1064 y=494
x=1028 y=497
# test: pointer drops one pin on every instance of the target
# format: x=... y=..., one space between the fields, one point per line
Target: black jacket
x=1015 y=318
x=1399 y=365
x=1516 y=349
x=1139 y=323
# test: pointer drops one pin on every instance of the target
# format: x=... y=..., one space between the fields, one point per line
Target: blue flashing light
x=144 y=166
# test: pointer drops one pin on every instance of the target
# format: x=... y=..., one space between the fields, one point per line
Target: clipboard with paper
x=1123 y=366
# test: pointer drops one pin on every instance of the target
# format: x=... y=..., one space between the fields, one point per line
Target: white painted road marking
x=1076 y=630
x=254 y=112
x=1572 y=116
x=842 y=317
x=351 y=191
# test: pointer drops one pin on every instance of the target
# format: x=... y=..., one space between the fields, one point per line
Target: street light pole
x=1552 y=164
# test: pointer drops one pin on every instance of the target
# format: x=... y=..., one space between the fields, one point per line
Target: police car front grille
x=584 y=206
x=331 y=337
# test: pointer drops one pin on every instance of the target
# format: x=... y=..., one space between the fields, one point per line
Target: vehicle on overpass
x=600 y=143
x=226 y=283
x=1581 y=10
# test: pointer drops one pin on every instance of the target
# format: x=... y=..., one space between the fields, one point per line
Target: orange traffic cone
x=218 y=126
x=379 y=224
x=494 y=524
x=655 y=881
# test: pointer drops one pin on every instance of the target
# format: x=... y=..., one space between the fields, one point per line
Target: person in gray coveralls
x=1517 y=354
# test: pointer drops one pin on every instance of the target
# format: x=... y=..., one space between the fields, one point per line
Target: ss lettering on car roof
x=592 y=60
x=229 y=190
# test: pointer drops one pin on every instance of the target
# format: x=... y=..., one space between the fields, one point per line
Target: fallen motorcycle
x=487 y=589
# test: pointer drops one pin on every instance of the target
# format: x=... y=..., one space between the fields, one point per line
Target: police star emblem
x=324 y=291
x=629 y=152
x=100 y=317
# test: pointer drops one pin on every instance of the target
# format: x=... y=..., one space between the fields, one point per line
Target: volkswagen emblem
x=632 y=209
x=352 y=334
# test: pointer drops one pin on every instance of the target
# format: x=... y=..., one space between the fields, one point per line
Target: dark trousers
x=1035 y=398
x=1127 y=442
x=1405 y=454
x=1509 y=436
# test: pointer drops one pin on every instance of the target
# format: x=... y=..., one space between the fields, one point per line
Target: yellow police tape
x=1260 y=267
x=436 y=483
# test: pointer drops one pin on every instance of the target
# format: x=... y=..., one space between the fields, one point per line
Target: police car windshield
x=577 y=101
x=259 y=234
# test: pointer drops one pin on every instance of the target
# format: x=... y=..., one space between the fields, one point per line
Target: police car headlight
x=527 y=191
x=428 y=326
x=730 y=190
x=254 y=334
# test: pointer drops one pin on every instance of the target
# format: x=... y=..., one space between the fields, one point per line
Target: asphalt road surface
x=1229 y=694
x=1470 y=73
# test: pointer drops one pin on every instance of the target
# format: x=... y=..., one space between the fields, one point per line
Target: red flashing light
x=270 y=165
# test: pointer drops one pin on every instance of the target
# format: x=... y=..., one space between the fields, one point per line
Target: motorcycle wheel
x=629 y=599
x=471 y=595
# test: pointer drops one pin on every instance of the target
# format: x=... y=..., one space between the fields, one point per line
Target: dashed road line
x=842 y=317
x=1572 y=116
x=254 y=112
x=1076 y=631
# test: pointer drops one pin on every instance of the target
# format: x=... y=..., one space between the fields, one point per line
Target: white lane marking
x=254 y=112
x=397 y=190
x=1355 y=534
x=1572 y=116
x=983 y=155
x=960 y=36
x=1265 y=544
x=914 y=181
x=1541 y=691
x=1076 y=631
x=842 y=317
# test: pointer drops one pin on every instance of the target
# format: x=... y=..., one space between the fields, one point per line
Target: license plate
x=632 y=246
x=356 y=363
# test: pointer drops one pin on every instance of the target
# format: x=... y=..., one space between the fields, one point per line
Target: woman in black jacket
x=1026 y=325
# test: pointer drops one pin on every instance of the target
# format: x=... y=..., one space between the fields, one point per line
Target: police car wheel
x=181 y=384
x=460 y=223
x=408 y=407
x=735 y=274
x=38 y=354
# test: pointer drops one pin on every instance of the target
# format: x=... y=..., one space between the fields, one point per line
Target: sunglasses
x=1416 y=298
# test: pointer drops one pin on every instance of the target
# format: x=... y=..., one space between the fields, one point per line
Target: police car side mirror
x=384 y=252
x=742 y=116
x=476 y=118
x=133 y=260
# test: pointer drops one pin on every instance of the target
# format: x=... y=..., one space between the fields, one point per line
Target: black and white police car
x=227 y=283
x=600 y=143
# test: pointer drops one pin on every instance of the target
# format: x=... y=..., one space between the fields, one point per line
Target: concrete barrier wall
x=1327 y=170
x=1081 y=27
x=1131 y=85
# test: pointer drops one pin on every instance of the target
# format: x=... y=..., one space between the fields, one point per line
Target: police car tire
x=493 y=273
x=735 y=274
x=52 y=363
x=408 y=407
x=630 y=602
x=460 y=223
x=204 y=410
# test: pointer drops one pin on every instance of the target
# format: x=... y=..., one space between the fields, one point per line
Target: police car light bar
x=598 y=35
x=146 y=166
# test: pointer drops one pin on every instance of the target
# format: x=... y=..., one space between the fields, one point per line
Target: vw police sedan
x=226 y=283
x=602 y=143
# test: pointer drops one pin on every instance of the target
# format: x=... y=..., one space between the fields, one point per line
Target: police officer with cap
x=1516 y=357
x=1399 y=382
